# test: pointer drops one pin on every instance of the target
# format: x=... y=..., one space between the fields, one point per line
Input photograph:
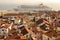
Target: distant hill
x=32 y=8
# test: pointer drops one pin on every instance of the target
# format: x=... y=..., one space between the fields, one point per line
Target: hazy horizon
x=10 y=4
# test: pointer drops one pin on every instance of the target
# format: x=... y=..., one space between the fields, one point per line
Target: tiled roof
x=58 y=16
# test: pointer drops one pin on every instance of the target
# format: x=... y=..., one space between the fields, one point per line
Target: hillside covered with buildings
x=29 y=22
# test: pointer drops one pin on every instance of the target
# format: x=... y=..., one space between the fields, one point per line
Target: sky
x=9 y=4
